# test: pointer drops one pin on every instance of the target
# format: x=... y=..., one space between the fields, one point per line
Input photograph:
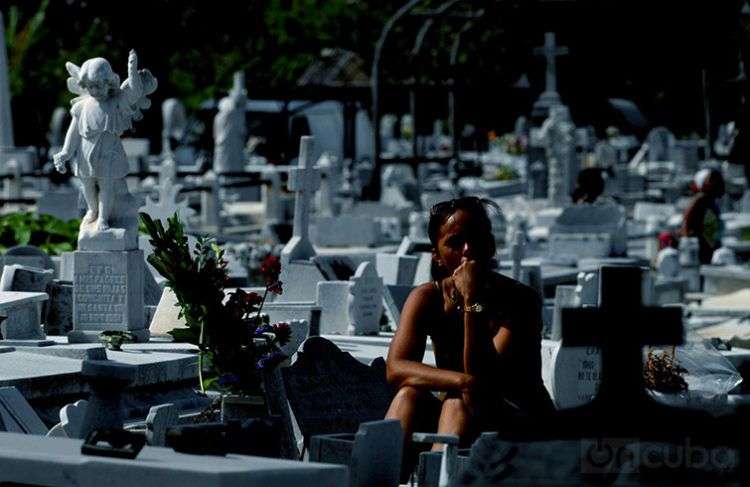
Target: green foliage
x=20 y=39
x=745 y=234
x=52 y=235
x=505 y=173
x=235 y=340
x=114 y=339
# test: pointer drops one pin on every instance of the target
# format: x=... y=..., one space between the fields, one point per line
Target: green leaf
x=23 y=235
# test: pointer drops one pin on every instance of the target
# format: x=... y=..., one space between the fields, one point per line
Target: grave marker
x=332 y=392
x=158 y=420
x=17 y=415
x=365 y=301
x=304 y=180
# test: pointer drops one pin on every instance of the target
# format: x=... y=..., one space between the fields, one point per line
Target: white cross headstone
x=167 y=205
x=304 y=180
x=6 y=121
x=550 y=52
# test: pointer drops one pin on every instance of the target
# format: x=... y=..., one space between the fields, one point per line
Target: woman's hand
x=466 y=279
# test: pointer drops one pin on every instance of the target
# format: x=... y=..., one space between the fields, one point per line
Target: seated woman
x=485 y=330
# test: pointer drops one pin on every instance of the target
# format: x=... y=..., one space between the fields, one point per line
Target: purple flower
x=270 y=360
x=228 y=379
x=263 y=329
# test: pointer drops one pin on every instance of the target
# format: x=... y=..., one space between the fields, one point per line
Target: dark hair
x=590 y=185
x=440 y=212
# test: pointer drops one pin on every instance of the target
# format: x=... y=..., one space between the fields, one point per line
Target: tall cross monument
x=304 y=180
x=550 y=51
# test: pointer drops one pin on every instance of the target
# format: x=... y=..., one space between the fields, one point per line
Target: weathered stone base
x=107 y=294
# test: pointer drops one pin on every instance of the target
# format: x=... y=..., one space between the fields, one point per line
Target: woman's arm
x=404 y=364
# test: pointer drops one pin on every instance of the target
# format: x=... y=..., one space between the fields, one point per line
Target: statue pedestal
x=107 y=294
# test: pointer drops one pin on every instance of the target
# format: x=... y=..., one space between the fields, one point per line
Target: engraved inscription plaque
x=107 y=291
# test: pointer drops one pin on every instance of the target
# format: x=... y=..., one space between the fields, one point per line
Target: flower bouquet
x=236 y=341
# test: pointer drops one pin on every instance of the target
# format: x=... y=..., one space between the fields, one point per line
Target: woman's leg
x=415 y=409
x=404 y=408
x=455 y=419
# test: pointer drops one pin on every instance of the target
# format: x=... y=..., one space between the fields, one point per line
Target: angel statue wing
x=148 y=85
x=73 y=85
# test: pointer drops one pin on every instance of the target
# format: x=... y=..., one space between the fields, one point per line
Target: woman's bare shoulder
x=424 y=293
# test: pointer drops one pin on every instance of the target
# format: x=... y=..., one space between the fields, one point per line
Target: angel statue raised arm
x=103 y=110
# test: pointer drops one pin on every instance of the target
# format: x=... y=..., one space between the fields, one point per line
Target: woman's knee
x=407 y=394
x=454 y=406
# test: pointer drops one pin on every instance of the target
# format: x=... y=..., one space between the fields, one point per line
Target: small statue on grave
x=103 y=110
x=230 y=129
x=558 y=136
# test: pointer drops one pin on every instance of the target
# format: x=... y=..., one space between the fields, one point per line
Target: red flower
x=283 y=332
x=270 y=269
x=275 y=288
x=253 y=299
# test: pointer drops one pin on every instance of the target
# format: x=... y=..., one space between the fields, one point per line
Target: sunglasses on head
x=451 y=205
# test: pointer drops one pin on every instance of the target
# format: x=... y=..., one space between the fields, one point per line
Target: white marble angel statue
x=103 y=110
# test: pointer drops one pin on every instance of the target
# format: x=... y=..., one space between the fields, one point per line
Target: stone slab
x=10 y=299
x=59 y=462
x=27 y=343
x=17 y=415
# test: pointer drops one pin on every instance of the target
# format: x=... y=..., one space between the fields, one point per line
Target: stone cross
x=550 y=52
x=621 y=326
x=6 y=121
x=304 y=180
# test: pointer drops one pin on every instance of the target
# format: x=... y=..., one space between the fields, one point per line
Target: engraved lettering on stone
x=100 y=295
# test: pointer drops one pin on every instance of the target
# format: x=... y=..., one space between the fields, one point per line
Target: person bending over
x=702 y=218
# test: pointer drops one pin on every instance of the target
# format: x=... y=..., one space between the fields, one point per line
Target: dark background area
x=652 y=52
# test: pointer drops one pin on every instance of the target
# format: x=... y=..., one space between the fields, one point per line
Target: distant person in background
x=703 y=217
x=589 y=186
